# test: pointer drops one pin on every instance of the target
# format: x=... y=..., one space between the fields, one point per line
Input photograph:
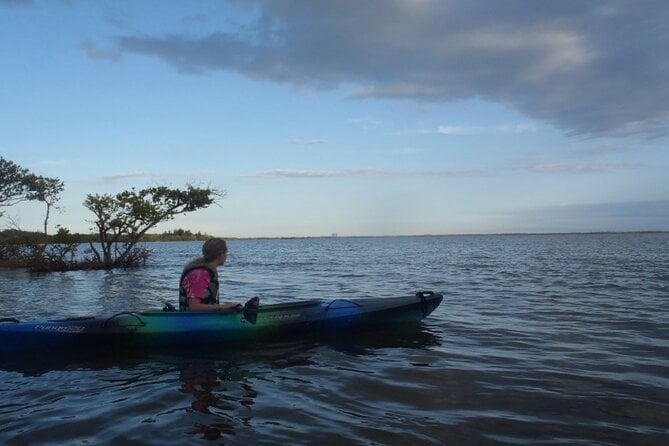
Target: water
x=545 y=340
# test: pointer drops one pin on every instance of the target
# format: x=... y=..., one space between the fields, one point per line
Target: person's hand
x=230 y=307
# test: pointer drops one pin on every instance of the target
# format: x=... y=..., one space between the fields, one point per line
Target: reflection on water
x=287 y=351
x=213 y=392
x=217 y=390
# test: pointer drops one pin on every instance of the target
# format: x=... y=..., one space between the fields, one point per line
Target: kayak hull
x=151 y=329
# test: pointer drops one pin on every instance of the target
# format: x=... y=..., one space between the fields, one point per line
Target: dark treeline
x=64 y=251
x=176 y=235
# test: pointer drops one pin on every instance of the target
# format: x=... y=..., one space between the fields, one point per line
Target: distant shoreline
x=449 y=235
x=153 y=238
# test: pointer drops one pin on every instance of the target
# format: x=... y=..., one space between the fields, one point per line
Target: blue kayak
x=149 y=329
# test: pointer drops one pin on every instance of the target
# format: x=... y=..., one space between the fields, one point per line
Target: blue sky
x=348 y=117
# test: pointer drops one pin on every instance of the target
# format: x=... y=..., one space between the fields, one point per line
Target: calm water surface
x=540 y=340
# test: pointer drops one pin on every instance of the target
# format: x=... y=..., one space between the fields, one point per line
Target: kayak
x=166 y=328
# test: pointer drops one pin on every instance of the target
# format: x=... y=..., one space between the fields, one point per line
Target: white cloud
x=477 y=130
x=574 y=168
x=362 y=173
x=122 y=176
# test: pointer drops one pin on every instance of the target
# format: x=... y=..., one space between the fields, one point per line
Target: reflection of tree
x=219 y=395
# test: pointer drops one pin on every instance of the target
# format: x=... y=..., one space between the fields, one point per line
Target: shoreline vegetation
x=122 y=221
x=180 y=235
x=58 y=252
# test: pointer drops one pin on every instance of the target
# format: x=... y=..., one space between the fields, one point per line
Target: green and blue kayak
x=150 y=329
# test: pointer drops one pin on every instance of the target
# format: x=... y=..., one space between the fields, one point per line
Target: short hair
x=213 y=248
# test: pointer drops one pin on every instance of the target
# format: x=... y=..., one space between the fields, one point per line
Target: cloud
x=477 y=130
x=606 y=149
x=589 y=68
x=123 y=176
x=361 y=173
x=573 y=168
x=546 y=168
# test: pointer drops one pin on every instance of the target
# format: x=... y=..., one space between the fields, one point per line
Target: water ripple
x=540 y=340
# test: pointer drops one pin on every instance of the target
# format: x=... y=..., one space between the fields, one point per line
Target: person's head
x=213 y=249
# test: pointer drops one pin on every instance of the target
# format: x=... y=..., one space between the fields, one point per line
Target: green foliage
x=42 y=188
x=61 y=251
x=18 y=184
x=38 y=252
x=13 y=247
x=63 y=247
x=12 y=187
x=176 y=235
x=63 y=235
x=123 y=219
x=46 y=190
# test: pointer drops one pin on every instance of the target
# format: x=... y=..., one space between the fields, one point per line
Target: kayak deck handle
x=424 y=307
x=125 y=313
x=424 y=294
x=9 y=319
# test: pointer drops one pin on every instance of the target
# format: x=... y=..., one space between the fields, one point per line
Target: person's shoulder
x=199 y=271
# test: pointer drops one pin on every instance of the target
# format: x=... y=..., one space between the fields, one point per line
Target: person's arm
x=194 y=304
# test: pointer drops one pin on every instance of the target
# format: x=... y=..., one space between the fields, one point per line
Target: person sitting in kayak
x=198 y=286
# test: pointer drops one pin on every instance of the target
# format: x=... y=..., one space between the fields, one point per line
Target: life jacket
x=211 y=293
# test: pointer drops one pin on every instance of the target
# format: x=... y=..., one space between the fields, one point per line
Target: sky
x=352 y=118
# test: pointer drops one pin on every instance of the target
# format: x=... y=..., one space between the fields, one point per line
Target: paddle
x=250 y=309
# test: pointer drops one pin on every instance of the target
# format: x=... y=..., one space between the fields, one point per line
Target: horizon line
x=480 y=234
